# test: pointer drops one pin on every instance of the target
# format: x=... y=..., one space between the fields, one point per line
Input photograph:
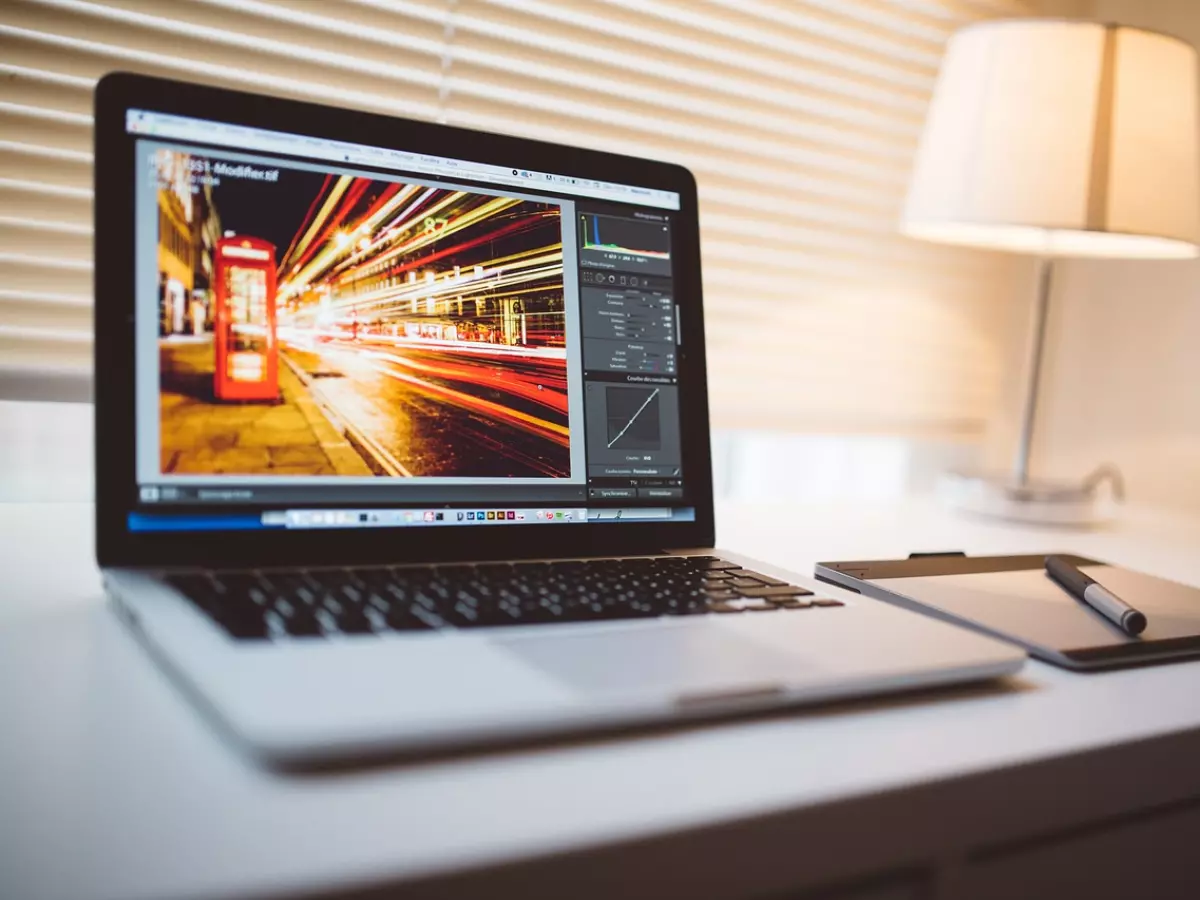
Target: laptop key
x=193 y=585
x=327 y=622
x=426 y=615
x=740 y=582
x=244 y=627
x=242 y=621
x=294 y=587
x=303 y=624
x=768 y=580
x=354 y=621
x=711 y=563
x=753 y=604
x=779 y=590
x=463 y=615
x=401 y=618
x=240 y=616
x=793 y=603
x=722 y=607
x=504 y=614
x=686 y=608
x=375 y=619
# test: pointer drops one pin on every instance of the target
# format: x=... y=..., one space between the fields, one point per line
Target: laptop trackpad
x=689 y=658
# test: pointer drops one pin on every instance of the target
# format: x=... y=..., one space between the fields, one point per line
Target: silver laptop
x=402 y=440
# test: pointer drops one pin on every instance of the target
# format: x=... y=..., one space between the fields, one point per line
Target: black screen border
x=114 y=375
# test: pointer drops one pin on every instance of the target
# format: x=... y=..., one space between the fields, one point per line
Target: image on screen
x=317 y=323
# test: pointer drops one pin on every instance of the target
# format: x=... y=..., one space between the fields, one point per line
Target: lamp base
x=1072 y=504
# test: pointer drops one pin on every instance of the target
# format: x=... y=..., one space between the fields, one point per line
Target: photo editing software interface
x=331 y=335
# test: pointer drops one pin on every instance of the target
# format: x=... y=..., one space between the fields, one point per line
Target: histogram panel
x=612 y=242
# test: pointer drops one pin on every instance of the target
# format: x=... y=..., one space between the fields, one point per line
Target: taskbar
x=391 y=518
x=305 y=519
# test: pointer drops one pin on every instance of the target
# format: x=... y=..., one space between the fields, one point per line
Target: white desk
x=112 y=787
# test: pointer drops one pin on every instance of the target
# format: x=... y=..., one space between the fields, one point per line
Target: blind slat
x=144 y=33
x=668 y=136
x=880 y=15
x=61 y=130
x=45 y=164
x=47 y=91
x=27 y=237
x=637 y=27
x=741 y=292
x=26 y=274
x=618 y=91
x=50 y=315
x=793 y=231
x=802 y=35
x=712 y=167
x=487 y=39
x=94 y=58
x=44 y=351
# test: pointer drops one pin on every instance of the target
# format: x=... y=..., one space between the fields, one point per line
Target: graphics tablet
x=1012 y=598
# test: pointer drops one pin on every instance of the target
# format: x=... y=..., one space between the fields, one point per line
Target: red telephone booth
x=247 y=354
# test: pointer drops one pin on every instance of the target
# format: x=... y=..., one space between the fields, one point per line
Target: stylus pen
x=1096 y=595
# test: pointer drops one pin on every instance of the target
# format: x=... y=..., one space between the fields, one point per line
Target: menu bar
x=241 y=137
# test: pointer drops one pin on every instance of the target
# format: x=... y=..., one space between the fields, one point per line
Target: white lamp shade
x=1062 y=139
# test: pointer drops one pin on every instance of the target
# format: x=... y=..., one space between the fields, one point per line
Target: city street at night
x=425 y=326
x=443 y=411
x=291 y=436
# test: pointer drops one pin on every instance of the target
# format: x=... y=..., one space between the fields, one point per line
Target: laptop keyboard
x=279 y=603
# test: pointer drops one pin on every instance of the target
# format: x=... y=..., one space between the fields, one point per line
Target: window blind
x=799 y=118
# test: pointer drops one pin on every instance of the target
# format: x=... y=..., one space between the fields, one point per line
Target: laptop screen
x=332 y=335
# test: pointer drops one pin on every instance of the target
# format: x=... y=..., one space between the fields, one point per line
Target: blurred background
x=845 y=361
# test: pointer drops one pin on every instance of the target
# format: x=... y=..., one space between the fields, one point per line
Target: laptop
x=403 y=442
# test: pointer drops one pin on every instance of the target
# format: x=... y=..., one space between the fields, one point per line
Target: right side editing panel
x=630 y=338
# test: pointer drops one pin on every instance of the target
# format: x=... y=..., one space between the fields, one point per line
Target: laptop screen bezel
x=114 y=376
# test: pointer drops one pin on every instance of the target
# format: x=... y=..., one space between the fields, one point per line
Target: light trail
x=308 y=217
x=303 y=245
x=457 y=248
x=559 y=434
x=530 y=387
x=392 y=298
x=353 y=193
x=326 y=257
x=306 y=338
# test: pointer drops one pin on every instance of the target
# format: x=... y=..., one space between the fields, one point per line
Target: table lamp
x=1058 y=139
